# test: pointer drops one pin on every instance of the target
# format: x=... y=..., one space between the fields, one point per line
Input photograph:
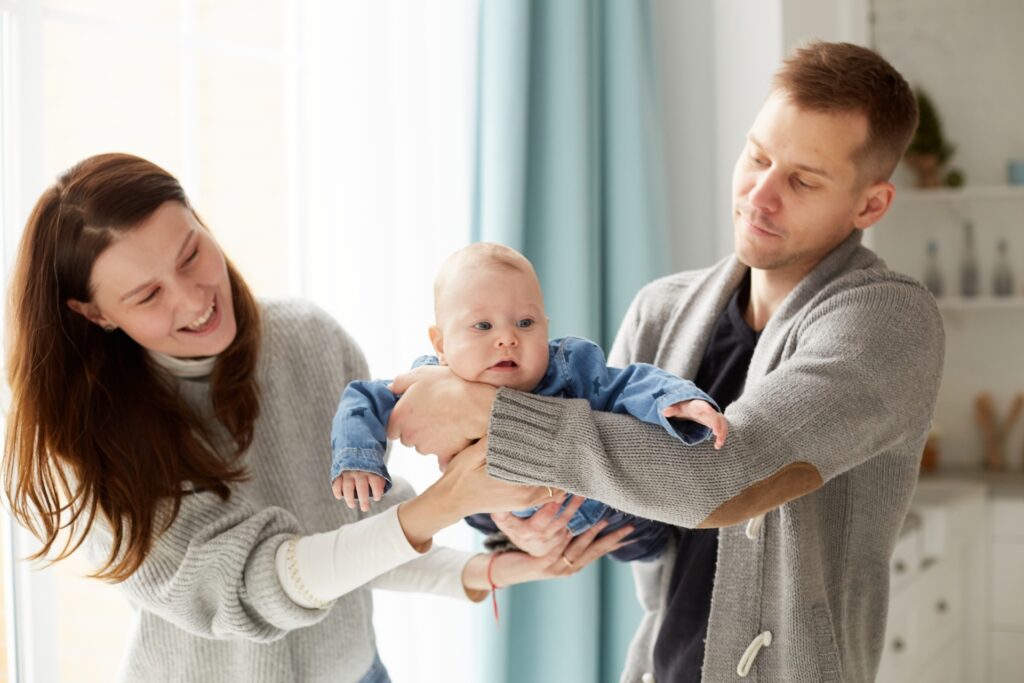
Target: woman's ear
x=91 y=312
x=437 y=341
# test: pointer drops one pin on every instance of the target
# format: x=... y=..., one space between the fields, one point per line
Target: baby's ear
x=437 y=341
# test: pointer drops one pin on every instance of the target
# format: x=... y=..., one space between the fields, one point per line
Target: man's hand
x=439 y=413
x=356 y=485
x=544 y=531
x=703 y=413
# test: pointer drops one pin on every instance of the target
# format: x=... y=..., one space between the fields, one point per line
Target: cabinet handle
x=900 y=567
x=942 y=606
x=898 y=645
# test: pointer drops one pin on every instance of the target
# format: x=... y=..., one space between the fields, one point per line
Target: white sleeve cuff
x=438 y=572
x=314 y=570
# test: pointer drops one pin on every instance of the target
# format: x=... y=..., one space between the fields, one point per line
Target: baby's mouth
x=506 y=364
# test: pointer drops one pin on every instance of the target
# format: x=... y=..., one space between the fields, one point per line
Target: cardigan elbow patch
x=792 y=481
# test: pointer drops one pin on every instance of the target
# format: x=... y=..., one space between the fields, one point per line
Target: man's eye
x=483 y=326
x=759 y=161
x=801 y=184
x=524 y=323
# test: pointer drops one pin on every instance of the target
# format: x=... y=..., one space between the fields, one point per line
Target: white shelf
x=913 y=195
x=957 y=303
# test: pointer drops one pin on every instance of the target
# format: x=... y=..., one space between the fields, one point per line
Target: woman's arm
x=315 y=570
x=461 y=575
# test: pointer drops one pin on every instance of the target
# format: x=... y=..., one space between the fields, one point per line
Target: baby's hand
x=703 y=413
x=355 y=485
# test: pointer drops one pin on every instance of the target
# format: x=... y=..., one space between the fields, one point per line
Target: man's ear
x=875 y=203
x=437 y=341
x=90 y=312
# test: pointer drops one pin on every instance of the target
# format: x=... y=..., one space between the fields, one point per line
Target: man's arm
x=860 y=379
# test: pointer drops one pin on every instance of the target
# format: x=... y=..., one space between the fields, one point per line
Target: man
x=829 y=364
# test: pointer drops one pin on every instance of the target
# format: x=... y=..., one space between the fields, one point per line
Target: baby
x=490 y=327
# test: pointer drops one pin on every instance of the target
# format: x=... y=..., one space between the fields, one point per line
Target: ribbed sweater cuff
x=521 y=437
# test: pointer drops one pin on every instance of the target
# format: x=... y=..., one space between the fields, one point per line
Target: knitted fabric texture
x=844 y=378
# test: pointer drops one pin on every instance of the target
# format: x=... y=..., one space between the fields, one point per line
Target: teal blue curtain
x=568 y=171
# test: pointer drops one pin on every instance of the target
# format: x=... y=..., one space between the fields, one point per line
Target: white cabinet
x=1006 y=590
x=956 y=610
x=936 y=622
x=1007 y=652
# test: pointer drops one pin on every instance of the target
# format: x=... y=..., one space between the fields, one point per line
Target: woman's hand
x=469 y=489
x=464 y=489
x=565 y=559
x=544 y=531
x=439 y=413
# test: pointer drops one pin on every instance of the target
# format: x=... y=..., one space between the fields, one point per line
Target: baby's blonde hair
x=480 y=255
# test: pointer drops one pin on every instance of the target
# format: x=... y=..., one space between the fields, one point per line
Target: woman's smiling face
x=165 y=284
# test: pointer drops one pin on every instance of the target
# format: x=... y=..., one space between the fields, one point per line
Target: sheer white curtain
x=385 y=191
x=327 y=143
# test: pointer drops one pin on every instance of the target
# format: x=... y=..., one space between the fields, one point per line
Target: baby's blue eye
x=524 y=323
x=482 y=326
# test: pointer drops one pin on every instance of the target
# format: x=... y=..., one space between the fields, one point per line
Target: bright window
x=327 y=145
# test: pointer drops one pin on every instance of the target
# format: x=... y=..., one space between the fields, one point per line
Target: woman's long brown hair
x=95 y=427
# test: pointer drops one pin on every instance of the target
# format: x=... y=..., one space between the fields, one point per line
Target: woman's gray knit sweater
x=826 y=438
x=209 y=606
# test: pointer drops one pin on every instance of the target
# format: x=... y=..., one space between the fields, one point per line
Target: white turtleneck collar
x=186 y=368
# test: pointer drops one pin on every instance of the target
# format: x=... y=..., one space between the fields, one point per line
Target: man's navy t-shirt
x=679 y=648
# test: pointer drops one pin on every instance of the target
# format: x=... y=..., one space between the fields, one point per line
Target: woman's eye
x=483 y=326
x=759 y=161
x=192 y=256
x=524 y=323
x=150 y=296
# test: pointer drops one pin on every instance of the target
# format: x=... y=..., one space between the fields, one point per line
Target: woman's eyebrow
x=144 y=285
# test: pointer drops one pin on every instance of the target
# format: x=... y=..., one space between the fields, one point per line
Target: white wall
x=717 y=58
x=967 y=56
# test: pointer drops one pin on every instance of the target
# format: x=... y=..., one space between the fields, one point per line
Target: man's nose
x=764 y=195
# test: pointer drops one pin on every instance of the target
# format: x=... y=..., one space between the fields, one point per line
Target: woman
x=178 y=427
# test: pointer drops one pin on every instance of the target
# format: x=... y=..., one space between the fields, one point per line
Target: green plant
x=928 y=138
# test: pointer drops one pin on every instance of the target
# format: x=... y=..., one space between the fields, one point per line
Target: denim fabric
x=359 y=432
x=376 y=673
x=577 y=368
x=646 y=542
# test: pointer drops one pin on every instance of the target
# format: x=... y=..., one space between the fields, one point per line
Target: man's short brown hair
x=842 y=77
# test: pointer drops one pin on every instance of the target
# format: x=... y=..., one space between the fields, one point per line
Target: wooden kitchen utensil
x=988 y=424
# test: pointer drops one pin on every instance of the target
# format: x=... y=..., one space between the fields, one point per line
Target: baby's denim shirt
x=577 y=368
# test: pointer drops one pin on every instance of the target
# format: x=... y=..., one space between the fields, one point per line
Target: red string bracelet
x=494 y=587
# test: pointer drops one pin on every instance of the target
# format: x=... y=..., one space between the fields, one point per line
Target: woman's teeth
x=203 y=319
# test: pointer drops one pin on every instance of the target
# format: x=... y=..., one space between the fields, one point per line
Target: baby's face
x=493 y=328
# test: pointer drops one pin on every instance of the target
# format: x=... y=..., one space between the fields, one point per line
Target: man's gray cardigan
x=825 y=439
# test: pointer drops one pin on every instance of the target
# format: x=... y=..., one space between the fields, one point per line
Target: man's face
x=796 y=191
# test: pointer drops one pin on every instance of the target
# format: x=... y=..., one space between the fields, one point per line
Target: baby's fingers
x=348 y=488
x=363 y=490
x=720 y=428
x=377 y=484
